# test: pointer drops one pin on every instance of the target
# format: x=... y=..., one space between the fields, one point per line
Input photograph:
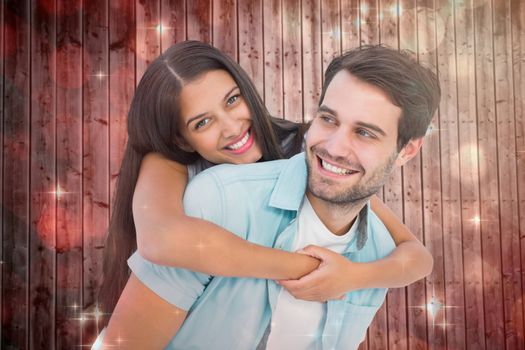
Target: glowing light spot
x=434 y=306
x=396 y=10
x=334 y=34
x=444 y=324
x=430 y=129
x=161 y=28
x=59 y=192
x=431 y=29
x=476 y=220
x=470 y=4
x=75 y=306
x=100 y=75
x=97 y=314
x=82 y=318
x=473 y=158
x=364 y=9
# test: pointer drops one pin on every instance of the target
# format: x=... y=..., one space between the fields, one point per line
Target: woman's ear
x=183 y=145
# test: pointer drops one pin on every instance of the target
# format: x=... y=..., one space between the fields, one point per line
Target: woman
x=193 y=108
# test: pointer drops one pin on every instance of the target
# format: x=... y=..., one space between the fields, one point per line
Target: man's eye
x=232 y=99
x=201 y=123
x=365 y=133
x=327 y=119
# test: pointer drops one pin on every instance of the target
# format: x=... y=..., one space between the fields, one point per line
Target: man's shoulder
x=379 y=236
x=232 y=174
x=213 y=184
x=276 y=183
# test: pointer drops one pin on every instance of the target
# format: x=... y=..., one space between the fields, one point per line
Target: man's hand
x=328 y=282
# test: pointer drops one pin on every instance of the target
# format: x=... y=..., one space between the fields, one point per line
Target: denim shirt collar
x=288 y=194
x=290 y=187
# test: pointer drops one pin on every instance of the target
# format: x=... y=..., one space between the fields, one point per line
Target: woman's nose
x=231 y=127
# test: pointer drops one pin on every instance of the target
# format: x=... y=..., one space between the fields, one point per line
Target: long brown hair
x=152 y=127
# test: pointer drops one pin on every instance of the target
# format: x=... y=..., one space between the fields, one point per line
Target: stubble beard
x=356 y=195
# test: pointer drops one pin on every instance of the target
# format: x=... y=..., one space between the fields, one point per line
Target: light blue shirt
x=259 y=202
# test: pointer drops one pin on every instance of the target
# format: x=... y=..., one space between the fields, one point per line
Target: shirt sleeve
x=202 y=199
x=178 y=287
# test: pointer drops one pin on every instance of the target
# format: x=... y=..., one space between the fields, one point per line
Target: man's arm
x=142 y=320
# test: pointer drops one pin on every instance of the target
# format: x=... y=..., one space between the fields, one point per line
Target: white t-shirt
x=296 y=323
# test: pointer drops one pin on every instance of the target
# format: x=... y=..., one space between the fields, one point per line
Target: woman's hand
x=329 y=281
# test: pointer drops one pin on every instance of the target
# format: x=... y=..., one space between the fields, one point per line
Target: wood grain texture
x=16 y=164
x=198 y=21
x=451 y=269
x=488 y=178
x=273 y=56
x=507 y=176
x=311 y=56
x=42 y=207
x=173 y=22
x=2 y=117
x=69 y=70
x=292 y=61
x=69 y=78
x=251 y=49
x=225 y=27
x=393 y=190
x=148 y=34
x=469 y=165
x=330 y=30
x=95 y=154
x=517 y=11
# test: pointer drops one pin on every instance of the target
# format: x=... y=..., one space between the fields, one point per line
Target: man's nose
x=340 y=144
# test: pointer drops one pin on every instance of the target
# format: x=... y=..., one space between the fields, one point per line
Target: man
x=376 y=105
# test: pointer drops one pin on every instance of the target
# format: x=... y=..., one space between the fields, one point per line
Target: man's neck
x=336 y=217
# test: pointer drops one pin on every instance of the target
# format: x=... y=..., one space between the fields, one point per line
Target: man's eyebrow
x=203 y=114
x=371 y=126
x=326 y=109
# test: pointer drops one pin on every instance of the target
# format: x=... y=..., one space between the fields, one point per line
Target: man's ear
x=183 y=145
x=409 y=151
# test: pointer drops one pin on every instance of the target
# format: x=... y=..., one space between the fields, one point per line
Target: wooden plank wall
x=68 y=72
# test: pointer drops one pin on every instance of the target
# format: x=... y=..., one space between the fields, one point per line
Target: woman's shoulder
x=154 y=161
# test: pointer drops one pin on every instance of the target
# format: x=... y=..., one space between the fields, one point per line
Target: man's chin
x=335 y=195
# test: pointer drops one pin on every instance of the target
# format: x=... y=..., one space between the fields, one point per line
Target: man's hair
x=412 y=87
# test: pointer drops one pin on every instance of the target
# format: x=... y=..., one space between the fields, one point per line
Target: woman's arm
x=166 y=236
x=409 y=262
x=410 y=258
x=142 y=320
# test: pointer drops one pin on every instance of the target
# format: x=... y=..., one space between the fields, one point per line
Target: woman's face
x=216 y=121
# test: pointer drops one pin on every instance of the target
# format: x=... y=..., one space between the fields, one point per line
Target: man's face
x=351 y=145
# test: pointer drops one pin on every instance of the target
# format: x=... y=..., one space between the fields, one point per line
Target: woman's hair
x=153 y=121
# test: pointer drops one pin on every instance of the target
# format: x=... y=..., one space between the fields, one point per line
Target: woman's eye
x=232 y=99
x=201 y=123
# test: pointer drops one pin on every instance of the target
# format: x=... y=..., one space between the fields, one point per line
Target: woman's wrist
x=301 y=265
x=359 y=275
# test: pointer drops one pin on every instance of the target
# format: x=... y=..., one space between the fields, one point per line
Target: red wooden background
x=68 y=72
